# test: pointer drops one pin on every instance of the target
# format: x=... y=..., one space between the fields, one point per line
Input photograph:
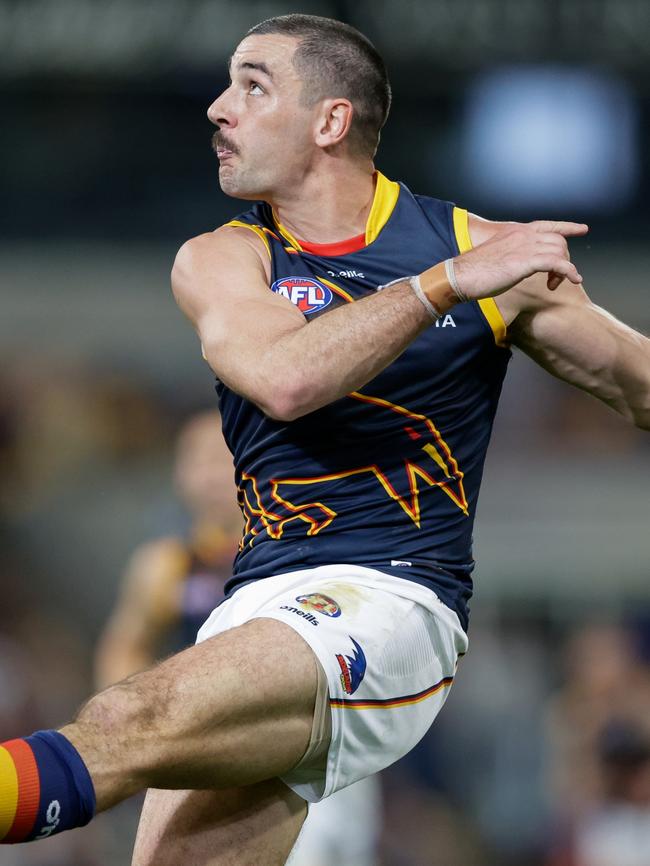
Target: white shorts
x=389 y=648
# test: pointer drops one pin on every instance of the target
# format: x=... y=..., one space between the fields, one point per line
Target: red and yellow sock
x=45 y=788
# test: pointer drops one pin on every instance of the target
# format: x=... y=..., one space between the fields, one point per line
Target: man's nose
x=220 y=113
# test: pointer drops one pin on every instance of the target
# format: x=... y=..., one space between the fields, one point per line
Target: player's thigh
x=243 y=706
x=246 y=826
x=231 y=711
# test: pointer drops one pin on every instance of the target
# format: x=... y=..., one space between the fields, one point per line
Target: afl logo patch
x=322 y=603
x=307 y=294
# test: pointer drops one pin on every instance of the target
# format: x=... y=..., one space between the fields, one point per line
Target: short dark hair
x=335 y=59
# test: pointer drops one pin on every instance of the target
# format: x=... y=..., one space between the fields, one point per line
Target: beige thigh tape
x=314 y=761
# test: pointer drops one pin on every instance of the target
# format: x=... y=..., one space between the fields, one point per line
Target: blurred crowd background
x=511 y=108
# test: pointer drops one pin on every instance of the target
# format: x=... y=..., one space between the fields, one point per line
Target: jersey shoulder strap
x=449 y=221
x=259 y=219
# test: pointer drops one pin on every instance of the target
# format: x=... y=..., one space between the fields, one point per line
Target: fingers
x=557 y=268
x=556 y=240
x=551 y=239
x=554 y=245
x=561 y=228
x=515 y=252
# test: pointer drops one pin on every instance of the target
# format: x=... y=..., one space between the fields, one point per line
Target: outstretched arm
x=583 y=344
x=573 y=338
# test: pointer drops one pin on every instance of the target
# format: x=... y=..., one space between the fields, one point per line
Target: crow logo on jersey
x=310 y=296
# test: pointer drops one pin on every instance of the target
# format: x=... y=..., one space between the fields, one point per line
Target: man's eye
x=255 y=88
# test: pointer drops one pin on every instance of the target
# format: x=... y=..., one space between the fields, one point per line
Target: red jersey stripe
x=341 y=248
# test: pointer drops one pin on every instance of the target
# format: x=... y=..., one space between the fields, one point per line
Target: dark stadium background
x=106 y=168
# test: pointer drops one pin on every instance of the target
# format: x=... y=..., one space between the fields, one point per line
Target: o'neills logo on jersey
x=307 y=294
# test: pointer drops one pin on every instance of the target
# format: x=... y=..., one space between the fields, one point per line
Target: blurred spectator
x=617 y=832
x=172 y=583
x=424 y=828
x=599 y=752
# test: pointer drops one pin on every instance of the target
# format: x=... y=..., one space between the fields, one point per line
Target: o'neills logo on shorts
x=303 y=613
x=320 y=603
x=353 y=668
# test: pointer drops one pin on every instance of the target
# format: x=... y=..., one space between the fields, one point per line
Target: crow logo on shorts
x=353 y=668
x=320 y=603
x=308 y=295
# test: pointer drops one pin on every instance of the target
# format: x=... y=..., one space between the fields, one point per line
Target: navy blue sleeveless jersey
x=388 y=476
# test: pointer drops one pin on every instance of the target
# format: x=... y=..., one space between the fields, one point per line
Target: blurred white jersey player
x=342 y=829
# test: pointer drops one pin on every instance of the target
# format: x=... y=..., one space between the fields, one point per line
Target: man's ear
x=333 y=122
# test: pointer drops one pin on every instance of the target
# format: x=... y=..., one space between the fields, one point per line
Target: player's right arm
x=146 y=609
x=259 y=345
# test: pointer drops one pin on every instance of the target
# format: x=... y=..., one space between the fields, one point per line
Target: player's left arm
x=580 y=342
x=576 y=340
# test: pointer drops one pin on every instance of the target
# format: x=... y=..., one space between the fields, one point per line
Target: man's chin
x=234 y=187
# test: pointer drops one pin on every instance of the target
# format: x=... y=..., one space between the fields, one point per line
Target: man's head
x=299 y=82
x=333 y=59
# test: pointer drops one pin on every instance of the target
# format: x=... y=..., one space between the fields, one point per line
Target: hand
x=516 y=252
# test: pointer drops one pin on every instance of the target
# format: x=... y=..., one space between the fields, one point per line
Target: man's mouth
x=223 y=149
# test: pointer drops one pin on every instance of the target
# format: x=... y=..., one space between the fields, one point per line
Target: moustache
x=219 y=142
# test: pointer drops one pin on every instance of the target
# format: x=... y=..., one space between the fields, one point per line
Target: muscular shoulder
x=227 y=250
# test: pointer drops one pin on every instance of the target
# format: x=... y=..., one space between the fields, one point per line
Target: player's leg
x=231 y=711
x=234 y=710
x=246 y=826
x=255 y=824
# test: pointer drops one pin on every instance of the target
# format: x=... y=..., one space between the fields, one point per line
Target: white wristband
x=453 y=282
x=414 y=283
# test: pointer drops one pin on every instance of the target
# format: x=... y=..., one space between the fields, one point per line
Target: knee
x=122 y=735
x=119 y=711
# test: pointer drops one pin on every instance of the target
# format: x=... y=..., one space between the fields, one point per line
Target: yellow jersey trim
x=383 y=205
x=238 y=224
x=461 y=230
x=495 y=320
x=488 y=306
x=286 y=234
x=337 y=289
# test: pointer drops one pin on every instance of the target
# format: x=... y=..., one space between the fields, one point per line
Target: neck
x=329 y=206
